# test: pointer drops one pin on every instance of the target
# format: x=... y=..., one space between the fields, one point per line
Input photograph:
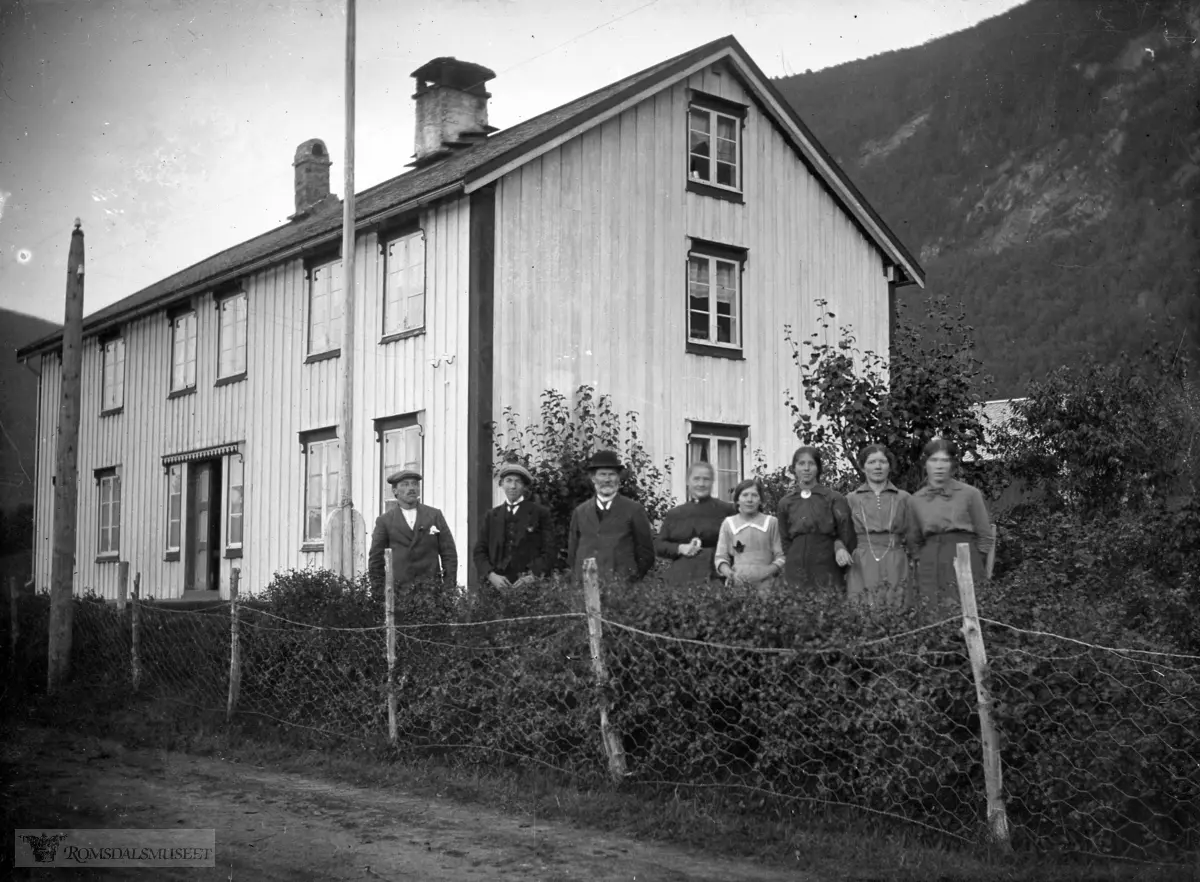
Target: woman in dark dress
x=816 y=527
x=689 y=532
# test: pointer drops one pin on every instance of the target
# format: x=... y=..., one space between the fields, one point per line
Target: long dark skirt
x=936 y=584
x=811 y=563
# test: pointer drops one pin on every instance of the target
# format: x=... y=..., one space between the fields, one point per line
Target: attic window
x=715 y=146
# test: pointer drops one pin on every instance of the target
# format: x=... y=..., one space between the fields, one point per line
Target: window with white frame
x=404 y=284
x=231 y=336
x=721 y=446
x=322 y=460
x=235 y=501
x=715 y=295
x=112 y=355
x=714 y=147
x=402 y=447
x=174 y=507
x=183 y=351
x=325 y=308
x=109 y=514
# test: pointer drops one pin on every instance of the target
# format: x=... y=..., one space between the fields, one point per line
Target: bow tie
x=938 y=491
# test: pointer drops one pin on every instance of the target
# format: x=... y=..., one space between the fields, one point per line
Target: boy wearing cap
x=609 y=527
x=422 y=546
x=515 y=540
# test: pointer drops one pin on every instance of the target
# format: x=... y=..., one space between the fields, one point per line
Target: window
x=402 y=447
x=112 y=355
x=231 y=337
x=325 y=309
x=322 y=458
x=183 y=352
x=714 y=148
x=722 y=447
x=234 y=491
x=404 y=284
x=109 y=519
x=174 y=509
x=715 y=298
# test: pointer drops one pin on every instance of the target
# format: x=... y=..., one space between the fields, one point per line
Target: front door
x=204 y=526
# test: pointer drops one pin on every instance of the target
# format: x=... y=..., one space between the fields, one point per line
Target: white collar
x=737 y=523
x=513 y=504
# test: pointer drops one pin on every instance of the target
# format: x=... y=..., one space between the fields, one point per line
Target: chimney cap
x=449 y=71
x=313 y=147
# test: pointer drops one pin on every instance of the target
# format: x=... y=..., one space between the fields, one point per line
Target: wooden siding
x=592 y=241
x=280 y=397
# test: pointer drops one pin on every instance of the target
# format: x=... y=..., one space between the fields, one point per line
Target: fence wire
x=1100 y=746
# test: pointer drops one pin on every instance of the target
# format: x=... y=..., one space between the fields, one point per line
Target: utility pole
x=66 y=490
x=347 y=446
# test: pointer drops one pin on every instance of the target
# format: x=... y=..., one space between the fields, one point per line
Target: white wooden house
x=651 y=238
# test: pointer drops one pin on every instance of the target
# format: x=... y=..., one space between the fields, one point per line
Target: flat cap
x=515 y=468
x=404 y=475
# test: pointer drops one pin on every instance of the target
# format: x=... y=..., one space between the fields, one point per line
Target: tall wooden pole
x=347 y=445
x=66 y=491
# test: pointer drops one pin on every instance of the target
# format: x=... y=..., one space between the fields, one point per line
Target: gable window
x=235 y=505
x=109 y=515
x=231 y=337
x=112 y=356
x=714 y=299
x=715 y=146
x=325 y=310
x=174 y=510
x=404 y=285
x=721 y=446
x=322 y=459
x=402 y=447
x=183 y=352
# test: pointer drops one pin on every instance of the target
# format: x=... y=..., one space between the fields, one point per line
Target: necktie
x=512 y=510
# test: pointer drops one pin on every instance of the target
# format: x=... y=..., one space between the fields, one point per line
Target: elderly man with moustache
x=422 y=546
x=515 y=541
x=609 y=527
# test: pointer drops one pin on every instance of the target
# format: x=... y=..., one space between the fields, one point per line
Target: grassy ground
x=838 y=845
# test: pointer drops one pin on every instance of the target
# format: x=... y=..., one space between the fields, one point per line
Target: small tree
x=557 y=451
x=928 y=388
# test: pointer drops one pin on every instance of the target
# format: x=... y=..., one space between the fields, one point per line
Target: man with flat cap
x=422 y=546
x=515 y=541
x=610 y=527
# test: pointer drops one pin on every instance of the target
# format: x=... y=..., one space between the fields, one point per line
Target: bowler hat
x=515 y=468
x=605 y=459
x=404 y=475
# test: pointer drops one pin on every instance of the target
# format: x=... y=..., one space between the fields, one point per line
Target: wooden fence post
x=235 y=647
x=135 y=629
x=997 y=815
x=14 y=623
x=612 y=742
x=122 y=585
x=389 y=620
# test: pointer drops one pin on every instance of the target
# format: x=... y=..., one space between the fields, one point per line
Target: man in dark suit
x=609 y=527
x=514 y=545
x=420 y=539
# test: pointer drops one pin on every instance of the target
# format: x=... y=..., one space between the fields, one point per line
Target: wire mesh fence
x=783 y=706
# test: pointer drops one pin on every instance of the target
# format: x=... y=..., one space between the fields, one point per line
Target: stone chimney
x=451 y=108
x=312 y=176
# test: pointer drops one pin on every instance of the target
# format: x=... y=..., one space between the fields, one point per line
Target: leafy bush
x=556 y=452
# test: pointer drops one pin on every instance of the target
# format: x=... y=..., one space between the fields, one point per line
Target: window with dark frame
x=721 y=446
x=109 y=515
x=404 y=284
x=401 y=441
x=322 y=460
x=183 y=351
x=325 y=308
x=231 y=336
x=174 y=508
x=714 y=147
x=714 y=298
x=112 y=357
x=234 y=501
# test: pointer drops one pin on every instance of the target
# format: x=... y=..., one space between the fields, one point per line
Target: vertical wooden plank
x=235 y=647
x=608 y=736
x=481 y=305
x=135 y=633
x=122 y=585
x=389 y=621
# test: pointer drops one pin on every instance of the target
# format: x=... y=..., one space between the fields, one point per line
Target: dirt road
x=273 y=825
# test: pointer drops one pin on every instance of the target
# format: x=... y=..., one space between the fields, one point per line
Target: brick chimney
x=451 y=108
x=312 y=176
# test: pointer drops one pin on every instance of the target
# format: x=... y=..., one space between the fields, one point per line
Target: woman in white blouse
x=749 y=548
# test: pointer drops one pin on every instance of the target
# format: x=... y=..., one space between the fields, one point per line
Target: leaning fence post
x=591 y=598
x=235 y=647
x=122 y=585
x=14 y=624
x=997 y=815
x=135 y=629
x=389 y=621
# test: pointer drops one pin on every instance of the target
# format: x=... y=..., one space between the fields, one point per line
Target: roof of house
x=487 y=158
x=998 y=412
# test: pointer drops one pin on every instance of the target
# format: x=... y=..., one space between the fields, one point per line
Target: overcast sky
x=169 y=126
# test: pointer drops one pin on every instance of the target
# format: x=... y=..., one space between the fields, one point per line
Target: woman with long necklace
x=879 y=574
x=814 y=523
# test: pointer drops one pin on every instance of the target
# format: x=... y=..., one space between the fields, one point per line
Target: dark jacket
x=695 y=519
x=811 y=530
x=427 y=552
x=622 y=543
x=531 y=550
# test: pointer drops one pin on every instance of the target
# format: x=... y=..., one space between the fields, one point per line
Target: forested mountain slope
x=1044 y=165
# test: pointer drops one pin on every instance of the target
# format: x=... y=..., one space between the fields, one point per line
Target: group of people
x=881 y=545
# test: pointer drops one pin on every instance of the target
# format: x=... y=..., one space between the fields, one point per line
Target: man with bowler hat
x=515 y=542
x=422 y=546
x=609 y=527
